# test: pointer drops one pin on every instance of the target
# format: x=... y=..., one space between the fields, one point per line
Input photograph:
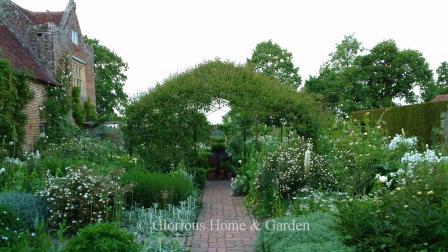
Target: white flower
x=2 y=170
x=380 y=178
x=398 y=140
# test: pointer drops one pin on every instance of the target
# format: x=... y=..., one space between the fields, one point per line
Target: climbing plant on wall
x=14 y=95
x=58 y=104
x=163 y=125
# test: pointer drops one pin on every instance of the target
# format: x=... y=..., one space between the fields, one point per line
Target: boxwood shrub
x=150 y=188
x=102 y=237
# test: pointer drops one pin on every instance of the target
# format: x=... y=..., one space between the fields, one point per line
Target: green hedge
x=416 y=120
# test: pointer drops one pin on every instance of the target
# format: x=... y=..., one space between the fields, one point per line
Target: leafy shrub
x=28 y=207
x=202 y=159
x=150 y=188
x=311 y=232
x=102 y=237
x=412 y=217
x=80 y=197
x=239 y=185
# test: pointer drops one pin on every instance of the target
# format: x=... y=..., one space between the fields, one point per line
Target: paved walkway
x=224 y=217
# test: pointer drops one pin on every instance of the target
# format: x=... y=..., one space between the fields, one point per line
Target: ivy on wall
x=58 y=105
x=14 y=96
x=78 y=110
x=82 y=112
x=64 y=112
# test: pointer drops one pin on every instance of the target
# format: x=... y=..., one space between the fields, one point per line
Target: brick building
x=36 y=42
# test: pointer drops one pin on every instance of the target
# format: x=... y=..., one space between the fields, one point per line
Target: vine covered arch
x=164 y=125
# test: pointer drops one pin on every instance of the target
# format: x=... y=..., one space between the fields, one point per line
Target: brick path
x=220 y=205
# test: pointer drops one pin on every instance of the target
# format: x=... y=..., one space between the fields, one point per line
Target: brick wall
x=34 y=115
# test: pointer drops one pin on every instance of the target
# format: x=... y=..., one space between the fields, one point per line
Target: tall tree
x=110 y=77
x=351 y=81
x=336 y=79
x=272 y=60
x=438 y=87
x=345 y=55
x=388 y=73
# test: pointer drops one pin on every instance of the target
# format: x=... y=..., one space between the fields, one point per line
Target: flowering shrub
x=102 y=237
x=408 y=157
x=80 y=197
x=401 y=140
x=356 y=154
x=239 y=185
x=292 y=166
x=309 y=200
x=86 y=148
x=412 y=217
x=429 y=156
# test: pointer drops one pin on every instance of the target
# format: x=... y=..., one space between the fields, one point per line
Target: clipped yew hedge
x=417 y=120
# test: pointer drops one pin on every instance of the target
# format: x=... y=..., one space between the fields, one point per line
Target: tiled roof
x=44 y=17
x=440 y=98
x=21 y=58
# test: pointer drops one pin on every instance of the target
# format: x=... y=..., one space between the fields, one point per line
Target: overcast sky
x=158 y=38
